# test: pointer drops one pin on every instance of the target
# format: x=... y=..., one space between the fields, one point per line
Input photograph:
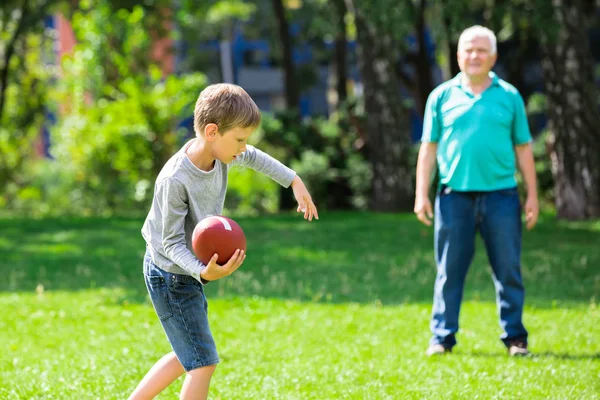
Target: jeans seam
x=163 y=292
x=187 y=330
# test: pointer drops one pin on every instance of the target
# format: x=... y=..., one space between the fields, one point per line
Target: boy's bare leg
x=195 y=386
x=161 y=375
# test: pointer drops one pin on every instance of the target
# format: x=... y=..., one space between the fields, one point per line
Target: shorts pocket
x=159 y=294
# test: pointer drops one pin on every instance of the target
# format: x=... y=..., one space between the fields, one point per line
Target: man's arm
x=427 y=157
x=425 y=166
x=526 y=165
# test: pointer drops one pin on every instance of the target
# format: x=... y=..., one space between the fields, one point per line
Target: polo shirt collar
x=457 y=80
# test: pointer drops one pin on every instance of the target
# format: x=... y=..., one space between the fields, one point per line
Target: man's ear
x=211 y=131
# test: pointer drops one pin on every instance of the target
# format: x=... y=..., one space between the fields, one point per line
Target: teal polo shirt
x=476 y=134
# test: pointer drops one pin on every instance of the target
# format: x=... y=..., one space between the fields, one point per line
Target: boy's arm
x=264 y=163
x=174 y=208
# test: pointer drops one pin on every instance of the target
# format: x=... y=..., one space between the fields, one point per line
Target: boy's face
x=228 y=146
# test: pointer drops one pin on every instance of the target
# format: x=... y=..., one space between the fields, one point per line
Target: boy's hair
x=226 y=105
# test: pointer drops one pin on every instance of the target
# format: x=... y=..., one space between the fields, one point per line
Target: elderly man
x=475 y=129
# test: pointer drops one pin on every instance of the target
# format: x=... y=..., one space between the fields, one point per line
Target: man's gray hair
x=478 y=31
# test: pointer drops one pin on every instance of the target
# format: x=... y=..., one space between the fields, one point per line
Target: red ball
x=217 y=234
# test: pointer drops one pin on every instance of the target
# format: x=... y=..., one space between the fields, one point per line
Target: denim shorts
x=181 y=306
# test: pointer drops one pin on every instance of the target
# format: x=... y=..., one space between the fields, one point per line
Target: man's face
x=229 y=145
x=475 y=57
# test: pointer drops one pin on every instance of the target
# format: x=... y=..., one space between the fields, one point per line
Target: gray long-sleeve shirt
x=184 y=195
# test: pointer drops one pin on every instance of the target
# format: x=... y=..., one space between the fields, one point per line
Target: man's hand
x=305 y=203
x=532 y=210
x=526 y=163
x=425 y=164
x=214 y=271
x=423 y=209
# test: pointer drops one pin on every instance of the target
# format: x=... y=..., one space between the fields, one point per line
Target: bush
x=118 y=117
x=326 y=155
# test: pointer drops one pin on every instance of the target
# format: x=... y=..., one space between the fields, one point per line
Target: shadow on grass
x=343 y=257
x=534 y=355
x=567 y=356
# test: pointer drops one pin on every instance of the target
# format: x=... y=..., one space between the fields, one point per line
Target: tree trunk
x=9 y=51
x=574 y=120
x=291 y=89
x=292 y=94
x=388 y=139
x=340 y=59
x=340 y=193
x=422 y=64
x=452 y=45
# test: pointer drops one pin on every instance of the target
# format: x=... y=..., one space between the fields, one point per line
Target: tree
x=559 y=29
x=420 y=82
x=387 y=125
x=340 y=53
x=24 y=78
x=119 y=116
x=17 y=20
x=292 y=93
x=572 y=109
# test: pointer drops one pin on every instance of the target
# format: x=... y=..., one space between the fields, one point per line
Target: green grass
x=336 y=309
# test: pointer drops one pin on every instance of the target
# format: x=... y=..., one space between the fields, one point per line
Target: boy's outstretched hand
x=305 y=203
x=214 y=271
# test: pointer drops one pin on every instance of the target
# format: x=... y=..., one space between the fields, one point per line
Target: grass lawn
x=334 y=309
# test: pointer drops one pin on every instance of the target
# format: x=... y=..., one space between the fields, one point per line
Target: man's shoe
x=516 y=349
x=435 y=349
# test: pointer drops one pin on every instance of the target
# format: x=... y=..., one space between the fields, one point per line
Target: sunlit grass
x=337 y=309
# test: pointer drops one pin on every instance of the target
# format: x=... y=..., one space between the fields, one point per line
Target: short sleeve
x=431 y=119
x=520 y=130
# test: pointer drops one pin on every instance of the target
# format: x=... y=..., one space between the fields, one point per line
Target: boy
x=191 y=186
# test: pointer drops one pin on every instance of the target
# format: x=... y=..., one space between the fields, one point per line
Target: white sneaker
x=516 y=349
x=435 y=349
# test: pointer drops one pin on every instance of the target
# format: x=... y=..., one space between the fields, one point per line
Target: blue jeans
x=497 y=217
x=182 y=309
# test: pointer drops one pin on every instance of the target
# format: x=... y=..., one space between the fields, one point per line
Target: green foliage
x=25 y=52
x=223 y=11
x=118 y=116
x=207 y=20
x=325 y=153
x=536 y=106
x=21 y=123
x=250 y=192
x=543 y=168
x=324 y=156
x=314 y=169
x=389 y=20
x=201 y=22
x=118 y=113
